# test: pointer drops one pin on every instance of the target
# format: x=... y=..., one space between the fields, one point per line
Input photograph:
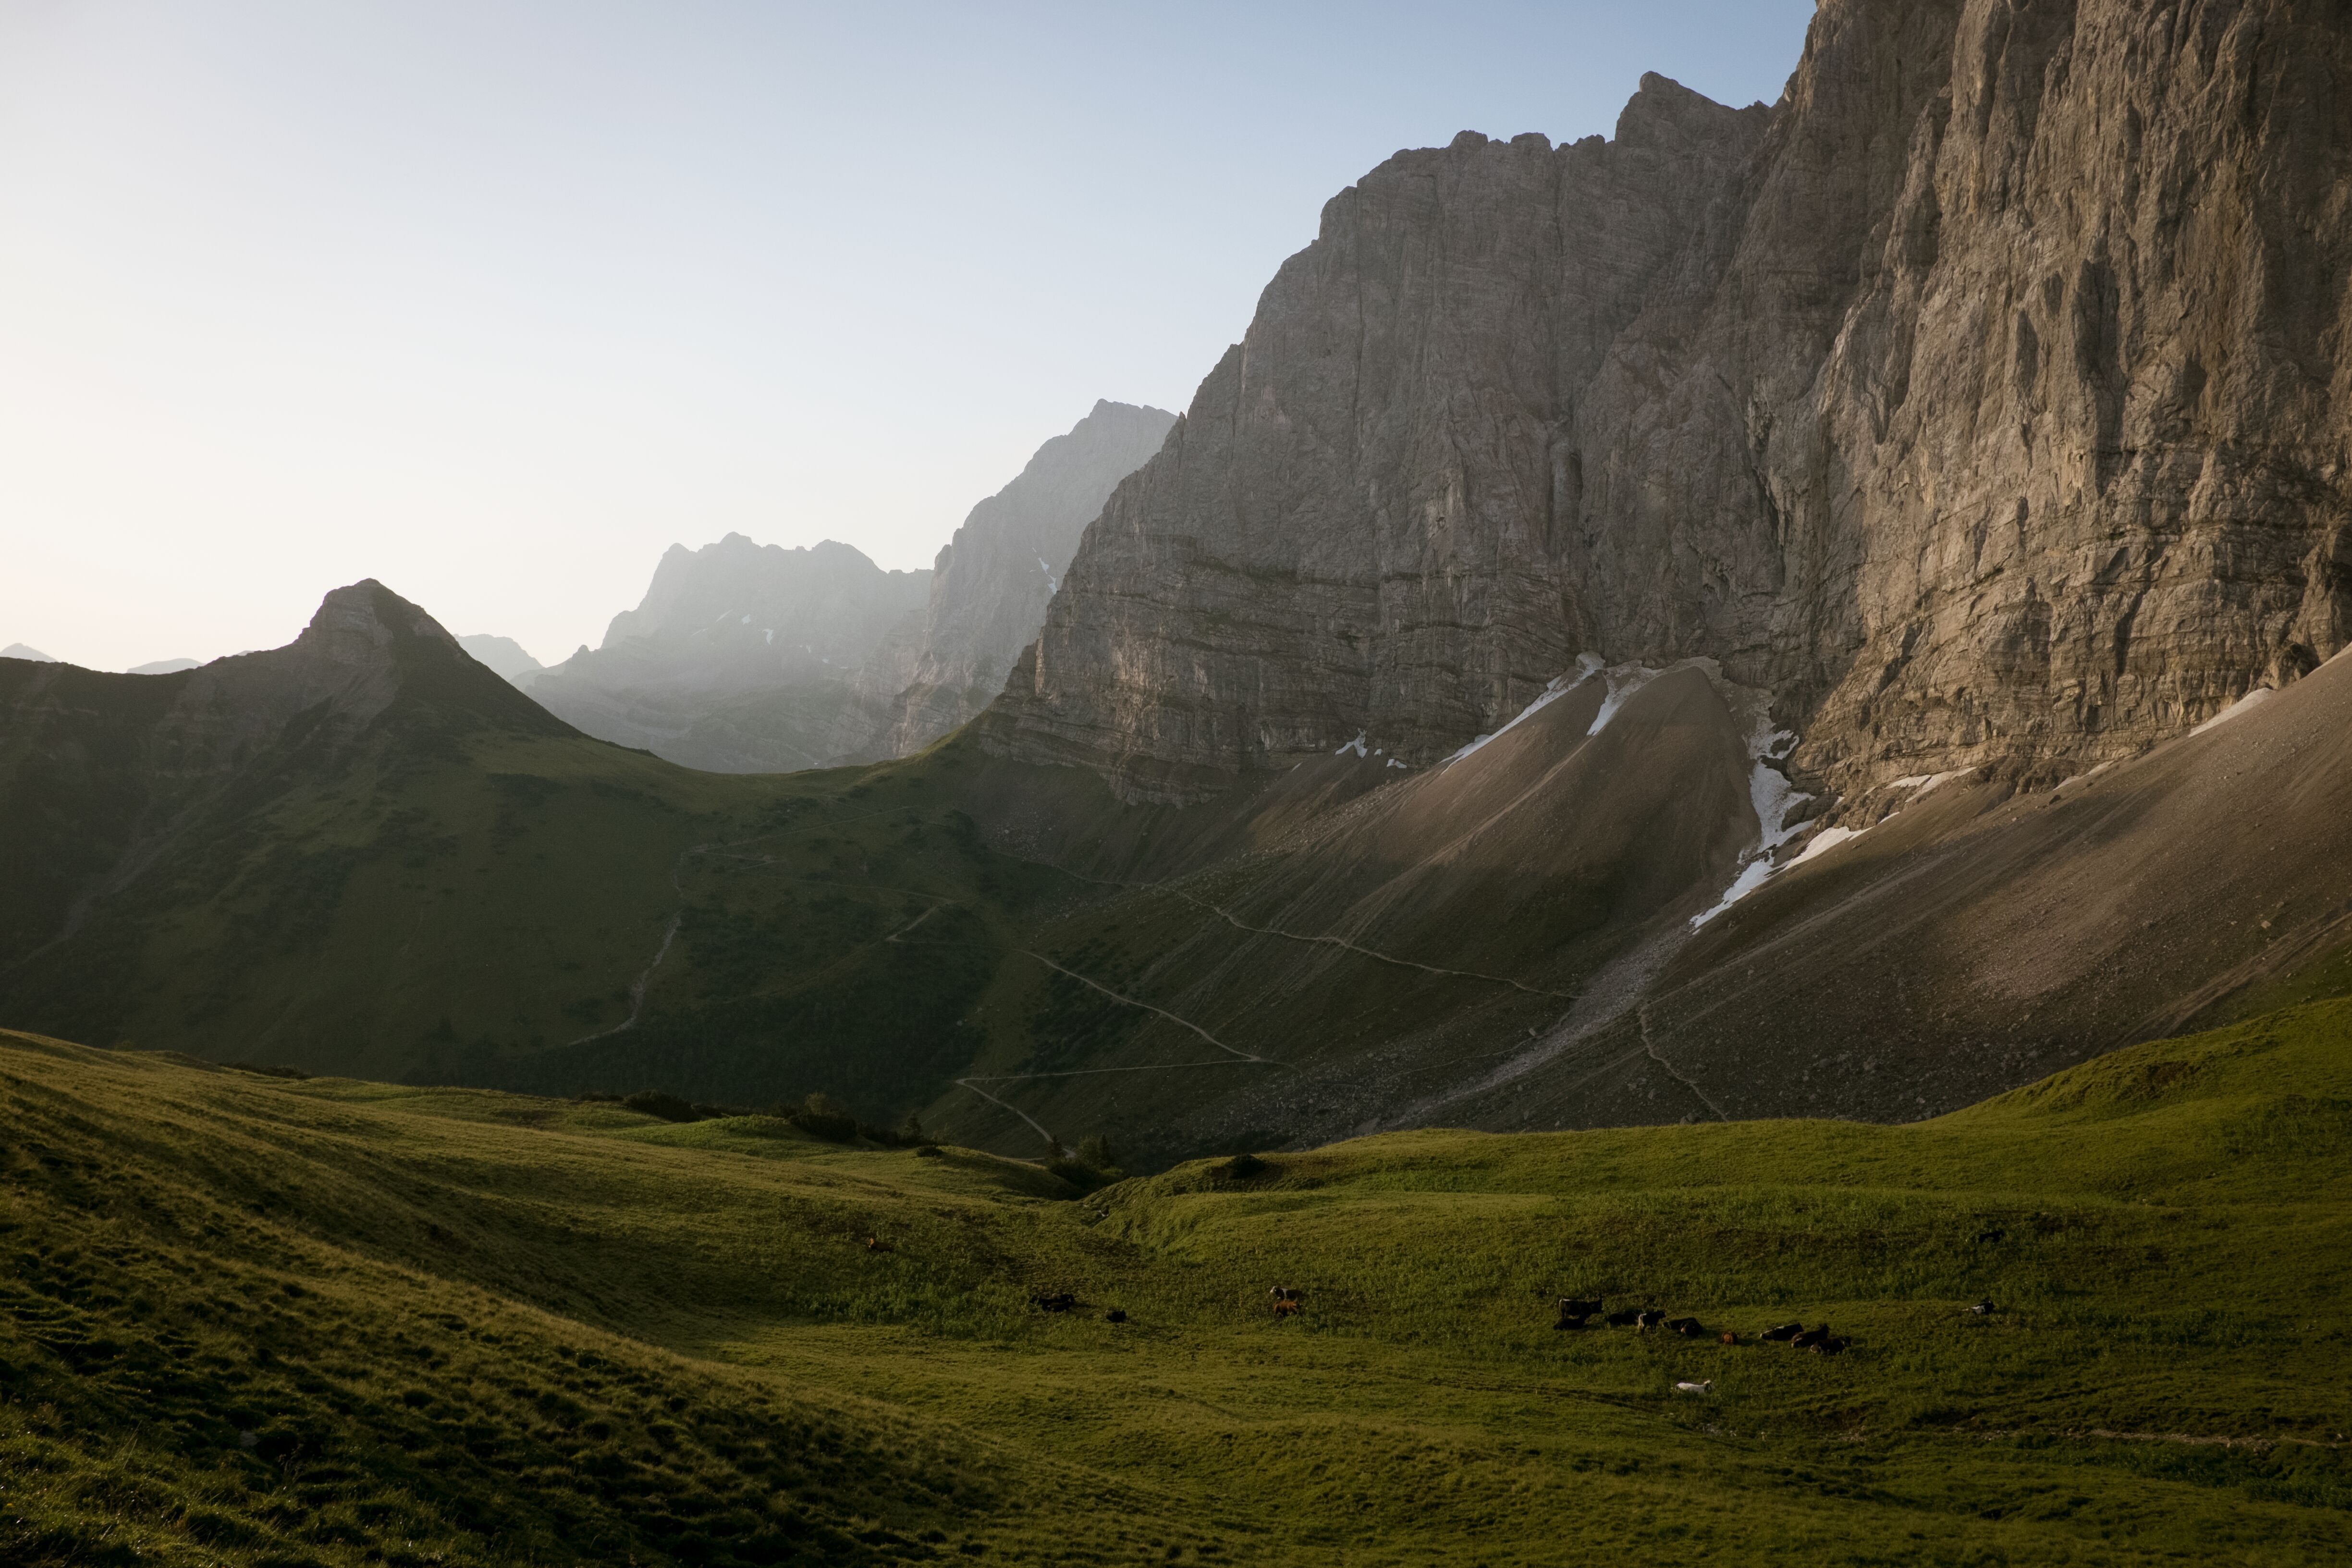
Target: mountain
x=366 y=852
x=1981 y=403
x=351 y=1321
x=745 y=659
x=164 y=666
x=740 y=657
x=1477 y=712
x=992 y=580
x=504 y=656
x=18 y=650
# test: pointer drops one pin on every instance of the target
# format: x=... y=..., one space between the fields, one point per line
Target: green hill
x=253 y=1319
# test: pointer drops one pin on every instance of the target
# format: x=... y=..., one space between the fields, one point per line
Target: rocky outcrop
x=1984 y=401
x=992 y=583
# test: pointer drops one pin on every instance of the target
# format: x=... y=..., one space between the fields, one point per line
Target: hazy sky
x=495 y=299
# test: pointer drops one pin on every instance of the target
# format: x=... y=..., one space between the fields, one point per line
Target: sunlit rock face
x=1984 y=400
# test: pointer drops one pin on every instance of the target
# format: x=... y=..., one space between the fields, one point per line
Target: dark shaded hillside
x=365 y=852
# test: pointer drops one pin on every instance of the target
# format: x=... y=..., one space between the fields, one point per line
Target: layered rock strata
x=1985 y=400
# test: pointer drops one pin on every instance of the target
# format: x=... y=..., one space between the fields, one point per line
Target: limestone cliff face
x=1985 y=400
x=992 y=583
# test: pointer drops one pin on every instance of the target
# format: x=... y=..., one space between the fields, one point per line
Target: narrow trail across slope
x=1357 y=948
x=678 y=919
x=1234 y=1056
x=1642 y=1019
x=1377 y=957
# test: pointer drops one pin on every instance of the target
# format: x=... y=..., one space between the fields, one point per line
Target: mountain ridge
x=1825 y=404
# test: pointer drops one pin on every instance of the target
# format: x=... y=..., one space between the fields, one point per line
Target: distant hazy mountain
x=18 y=650
x=166 y=667
x=993 y=582
x=505 y=656
x=740 y=657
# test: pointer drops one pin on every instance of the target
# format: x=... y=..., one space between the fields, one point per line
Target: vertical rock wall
x=1984 y=399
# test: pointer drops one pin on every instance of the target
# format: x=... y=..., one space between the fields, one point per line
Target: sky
x=494 y=301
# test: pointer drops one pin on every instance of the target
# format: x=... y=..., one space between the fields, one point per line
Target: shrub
x=821 y=1116
x=668 y=1107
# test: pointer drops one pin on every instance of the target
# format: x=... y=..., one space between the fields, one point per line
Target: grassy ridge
x=486 y=1328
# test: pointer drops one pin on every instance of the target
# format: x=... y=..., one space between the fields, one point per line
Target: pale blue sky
x=495 y=299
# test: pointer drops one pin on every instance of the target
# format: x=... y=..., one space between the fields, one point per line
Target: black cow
x=1830 y=1345
x=1648 y=1319
x=1114 y=1316
x=1782 y=1331
x=1626 y=1319
x=1983 y=1309
x=1689 y=1328
x=1811 y=1339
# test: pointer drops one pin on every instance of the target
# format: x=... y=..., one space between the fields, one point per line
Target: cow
x=1688 y=1328
x=876 y=1243
x=1648 y=1319
x=1829 y=1344
x=1287 y=1302
x=1729 y=1338
x=1626 y=1319
x=1983 y=1309
x=1572 y=1312
x=1810 y=1338
x=1288 y=1308
x=1780 y=1331
x=1701 y=1389
x=1114 y=1316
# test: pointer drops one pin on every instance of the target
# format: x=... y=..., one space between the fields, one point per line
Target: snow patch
x=1587 y=665
x=1623 y=681
x=1827 y=839
x=1356 y=746
x=1921 y=783
x=1051 y=587
x=1774 y=797
x=1395 y=763
x=2251 y=700
x=772 y=634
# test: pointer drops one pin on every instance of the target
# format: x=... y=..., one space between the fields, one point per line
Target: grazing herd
x=1576 y=1314
x=1288 y=1302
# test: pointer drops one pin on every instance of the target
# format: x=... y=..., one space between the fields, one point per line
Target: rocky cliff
x=1983 y=402
x=992 y=583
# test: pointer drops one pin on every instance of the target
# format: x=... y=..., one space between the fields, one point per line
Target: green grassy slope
x=488 y=1328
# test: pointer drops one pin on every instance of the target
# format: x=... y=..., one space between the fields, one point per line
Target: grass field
x=249 y=1320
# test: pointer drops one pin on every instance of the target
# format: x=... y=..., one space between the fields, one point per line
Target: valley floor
x=277 y=1322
